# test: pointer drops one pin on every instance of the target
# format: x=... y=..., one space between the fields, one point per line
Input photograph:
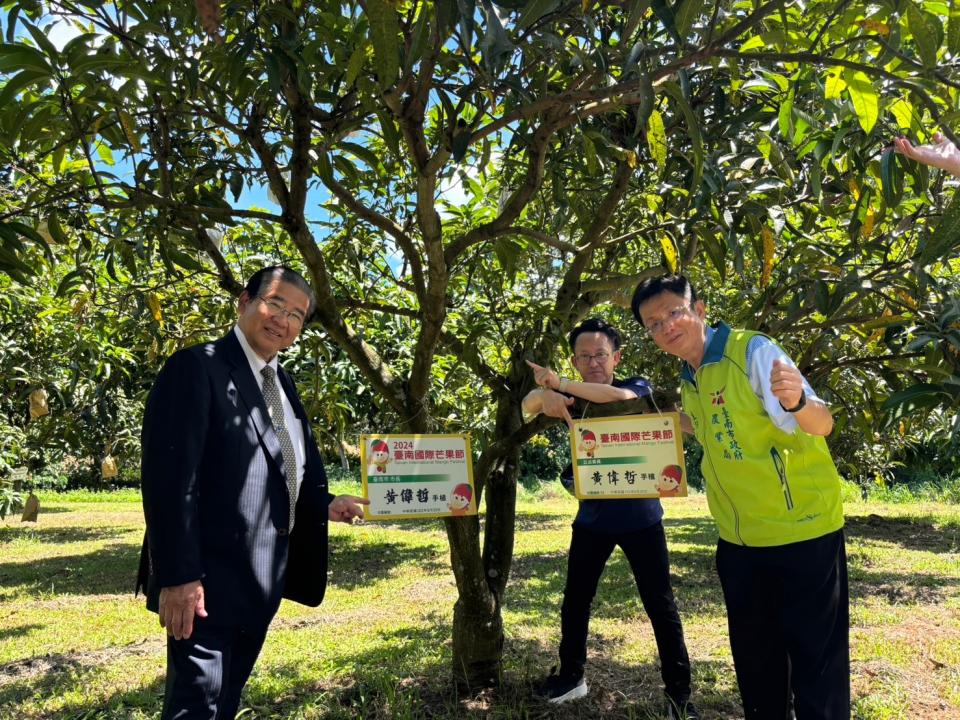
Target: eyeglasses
x=275 y=308
x=658 y=326
x=584 y=359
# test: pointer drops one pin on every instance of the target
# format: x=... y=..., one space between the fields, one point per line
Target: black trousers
x=788 y=613
x=207 y=671
x=646 y=552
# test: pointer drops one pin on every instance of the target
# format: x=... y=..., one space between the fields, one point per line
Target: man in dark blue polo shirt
x=633 y=524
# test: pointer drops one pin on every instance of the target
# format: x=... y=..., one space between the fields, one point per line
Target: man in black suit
x=235 y=498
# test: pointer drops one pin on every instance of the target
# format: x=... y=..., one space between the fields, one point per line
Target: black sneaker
x=562 y=688
x=682 y=711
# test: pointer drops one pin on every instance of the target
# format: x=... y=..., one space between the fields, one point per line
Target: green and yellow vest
x=765 y=487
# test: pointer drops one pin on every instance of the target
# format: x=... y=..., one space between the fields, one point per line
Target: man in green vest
x=774 y=492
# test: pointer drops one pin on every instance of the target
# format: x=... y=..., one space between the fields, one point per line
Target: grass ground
x=74 y=643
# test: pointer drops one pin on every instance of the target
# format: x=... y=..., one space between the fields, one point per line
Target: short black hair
x=264 y=276
x=595 y=325
x=651 y=287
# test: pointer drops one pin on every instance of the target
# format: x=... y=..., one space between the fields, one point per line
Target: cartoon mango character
x=588 y=442
x=670 y=478
x=460 y=499
x=379 y=455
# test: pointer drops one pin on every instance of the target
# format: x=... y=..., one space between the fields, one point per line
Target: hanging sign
x=18 y=476
x=417 y=476
x=631 y=456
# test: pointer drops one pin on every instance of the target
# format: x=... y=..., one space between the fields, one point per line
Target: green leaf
x=460 y=143
x=105 y=153
x=693 y=129
x=56 y=229
x=927 y=33
x=834 y=85
x=953 y=28
x=357 y=59
x=657 y=139
x=785 y=117
x=12 y=23
x=272 y=66
x=31 y=234
x=324 y=168
x=365 y=154
x=671 y=258
x=184 y=260
x=770 y=149
x=384 y=32
x=22 y=57
x=39 y=37
x=391 y=135
x=236 y=185
x=716 y=250
x=466 y=10
x=80 y=45
x=347 y=168
x=71 y=280
x=891 y=178
x=418 y=42
x=590 y=153
x=18 y=82
x=946 y=236
x=922 y=395
x=904 y=114
x=495 y=47
x=665 y=13
x=685 y=12
x=534 y=10
x=865 y=101
x=821 y=296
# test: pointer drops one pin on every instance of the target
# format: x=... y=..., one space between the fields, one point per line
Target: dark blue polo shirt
x=617 y=516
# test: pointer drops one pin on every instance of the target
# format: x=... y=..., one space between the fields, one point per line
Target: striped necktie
x=271 y=393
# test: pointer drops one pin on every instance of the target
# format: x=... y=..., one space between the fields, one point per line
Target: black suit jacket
x=214 y=494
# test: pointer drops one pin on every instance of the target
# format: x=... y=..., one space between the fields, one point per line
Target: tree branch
x=473 y=361
x=404 y=241
x=541 y=237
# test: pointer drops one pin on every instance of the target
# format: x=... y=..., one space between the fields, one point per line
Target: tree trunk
x=477 y=645
x=478 y=637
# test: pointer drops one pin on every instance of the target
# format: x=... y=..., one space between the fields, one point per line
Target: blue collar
x=716 y=344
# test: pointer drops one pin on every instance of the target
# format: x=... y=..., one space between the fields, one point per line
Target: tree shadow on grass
x=524 y=522
x=531 y=521
x=912 y=533
x=17 y=631
x=55 y=509
x=355 y=562
x=903 y=588
x=391 y=680
x=61 y=535
x=74 y=674
x=696 y=587
x=110 y=570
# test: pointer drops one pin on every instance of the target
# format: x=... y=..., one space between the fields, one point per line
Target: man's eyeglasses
x=584 y=359
x=658 y=326
x=276 y=308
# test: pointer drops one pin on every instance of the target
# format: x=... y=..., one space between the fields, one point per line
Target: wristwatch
x=801 y=403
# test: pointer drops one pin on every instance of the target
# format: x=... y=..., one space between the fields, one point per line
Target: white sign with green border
x=631 y=456
x=417 y=476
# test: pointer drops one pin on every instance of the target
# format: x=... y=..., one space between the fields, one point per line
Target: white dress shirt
x=294 y=427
